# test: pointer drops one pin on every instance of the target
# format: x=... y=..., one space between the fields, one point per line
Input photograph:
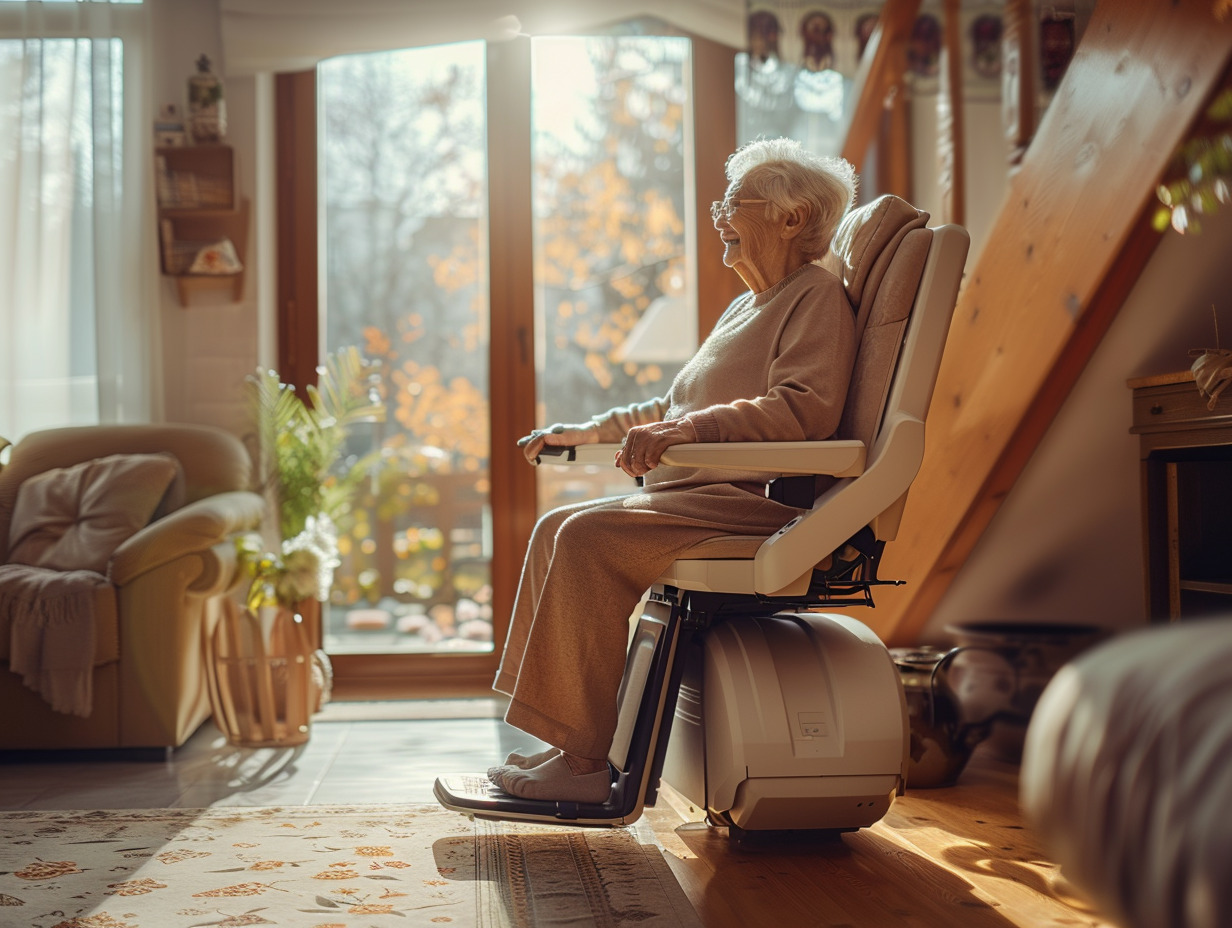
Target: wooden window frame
x=511 y=317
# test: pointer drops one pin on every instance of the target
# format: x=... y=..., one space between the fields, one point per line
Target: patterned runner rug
x=327 y=867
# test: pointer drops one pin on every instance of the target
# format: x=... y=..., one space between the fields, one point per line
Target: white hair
x=789 y=176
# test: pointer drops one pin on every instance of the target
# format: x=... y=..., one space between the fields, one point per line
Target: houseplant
x=1200 y=180
x=268 y=675
x=300 y=444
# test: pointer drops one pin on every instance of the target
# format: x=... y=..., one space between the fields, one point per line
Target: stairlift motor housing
x=803 y=725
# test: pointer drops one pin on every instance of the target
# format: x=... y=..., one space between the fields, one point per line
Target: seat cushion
x=722 y=547
x=74 y=518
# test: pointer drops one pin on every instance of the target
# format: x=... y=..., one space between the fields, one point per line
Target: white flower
x=309 y=560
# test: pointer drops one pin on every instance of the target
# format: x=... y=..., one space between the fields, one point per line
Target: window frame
x=511 y=316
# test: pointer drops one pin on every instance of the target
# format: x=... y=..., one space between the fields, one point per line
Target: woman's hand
x=557 y=434
x=645 y=444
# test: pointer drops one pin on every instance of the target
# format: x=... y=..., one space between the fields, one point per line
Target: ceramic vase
x=207 y=110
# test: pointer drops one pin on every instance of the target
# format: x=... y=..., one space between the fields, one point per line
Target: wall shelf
x=198 y=208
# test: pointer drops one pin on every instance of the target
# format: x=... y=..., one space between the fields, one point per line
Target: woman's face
x=760 y=250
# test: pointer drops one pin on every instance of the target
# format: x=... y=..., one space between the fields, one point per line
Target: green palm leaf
x=301 y=444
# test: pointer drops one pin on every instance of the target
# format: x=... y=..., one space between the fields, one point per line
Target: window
x=475 y=175
x=615 y=302
x=404 y=193
x=404 y=187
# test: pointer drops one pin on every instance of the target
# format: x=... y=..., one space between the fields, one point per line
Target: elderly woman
x=775 y=368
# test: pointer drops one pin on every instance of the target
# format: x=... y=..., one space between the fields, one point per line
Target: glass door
x=404 y=192
x=405 y=189
x=615 y=302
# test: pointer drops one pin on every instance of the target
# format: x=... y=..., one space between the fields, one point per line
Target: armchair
x=150 y=590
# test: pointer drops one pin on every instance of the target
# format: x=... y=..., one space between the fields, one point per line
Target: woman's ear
x=795 y=222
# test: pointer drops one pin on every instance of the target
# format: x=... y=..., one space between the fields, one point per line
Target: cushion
x=885 y=324
x=1125 y=774
x=73 y=518
x=863 y=235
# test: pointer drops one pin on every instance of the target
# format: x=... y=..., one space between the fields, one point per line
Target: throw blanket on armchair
x=67 y=522
x=50 y=619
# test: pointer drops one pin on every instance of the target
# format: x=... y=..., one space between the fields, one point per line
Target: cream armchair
x=148 y=596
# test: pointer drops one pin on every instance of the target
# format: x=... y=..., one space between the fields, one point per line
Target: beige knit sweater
x=775 y=368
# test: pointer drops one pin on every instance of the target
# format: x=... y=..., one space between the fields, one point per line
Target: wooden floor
x=941 y=858
x=945 y=858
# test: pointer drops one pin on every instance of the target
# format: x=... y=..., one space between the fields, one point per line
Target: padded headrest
x=865 y=243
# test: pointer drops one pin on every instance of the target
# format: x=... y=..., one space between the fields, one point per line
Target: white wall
x=1066 y=545
x=986 y=165
x=212 y=344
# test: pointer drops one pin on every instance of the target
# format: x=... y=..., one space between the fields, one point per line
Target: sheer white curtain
x=77 y=300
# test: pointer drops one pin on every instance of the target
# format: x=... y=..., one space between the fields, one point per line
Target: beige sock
x=552 y=780
x=526 y=761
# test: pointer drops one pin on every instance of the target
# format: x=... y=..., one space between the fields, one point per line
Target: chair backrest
x=878 y=253
x=902 y=278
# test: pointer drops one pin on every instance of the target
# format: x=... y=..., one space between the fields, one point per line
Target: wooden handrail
x=881 y=69
x=877 y=88
x=1018 y=77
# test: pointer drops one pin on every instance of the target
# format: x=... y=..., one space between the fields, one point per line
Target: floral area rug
x=327 y=867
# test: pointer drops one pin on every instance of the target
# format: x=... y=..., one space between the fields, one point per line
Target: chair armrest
x=837 y=458
x=195 y=528
x=844 y=508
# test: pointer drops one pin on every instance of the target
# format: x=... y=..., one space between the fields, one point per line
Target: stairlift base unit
x=803 y=725
x=803 y=728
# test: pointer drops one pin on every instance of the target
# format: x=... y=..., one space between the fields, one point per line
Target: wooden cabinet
x=202 y=223
x=1186 y=461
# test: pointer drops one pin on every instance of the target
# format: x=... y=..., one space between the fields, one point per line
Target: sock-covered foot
x=553 y=780
x=524 y=761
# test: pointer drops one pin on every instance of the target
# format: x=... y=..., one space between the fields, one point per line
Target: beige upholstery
x=902 y=279
x=1127 y=774
x=73 y=518
x=152 y=595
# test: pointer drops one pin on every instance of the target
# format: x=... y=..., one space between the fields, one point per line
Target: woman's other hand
x=557 y=434
x=645 y=444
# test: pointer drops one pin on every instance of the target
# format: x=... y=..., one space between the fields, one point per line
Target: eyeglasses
x=727 y=208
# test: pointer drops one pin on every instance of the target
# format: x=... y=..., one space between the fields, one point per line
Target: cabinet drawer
x=1177 y=405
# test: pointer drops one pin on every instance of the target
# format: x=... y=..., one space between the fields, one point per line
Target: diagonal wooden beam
x=881 y=69
x=950 y=129
x=1064 y=252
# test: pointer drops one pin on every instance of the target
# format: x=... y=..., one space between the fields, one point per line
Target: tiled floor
x=344 y=761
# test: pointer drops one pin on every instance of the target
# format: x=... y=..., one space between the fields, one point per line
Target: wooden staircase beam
x=950 y=130
x=1065 y=250
x=880 y=71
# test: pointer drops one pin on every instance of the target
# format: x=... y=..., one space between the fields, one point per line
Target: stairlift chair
x=803 y=724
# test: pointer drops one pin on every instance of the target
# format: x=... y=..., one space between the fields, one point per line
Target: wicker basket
x=260 y=673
